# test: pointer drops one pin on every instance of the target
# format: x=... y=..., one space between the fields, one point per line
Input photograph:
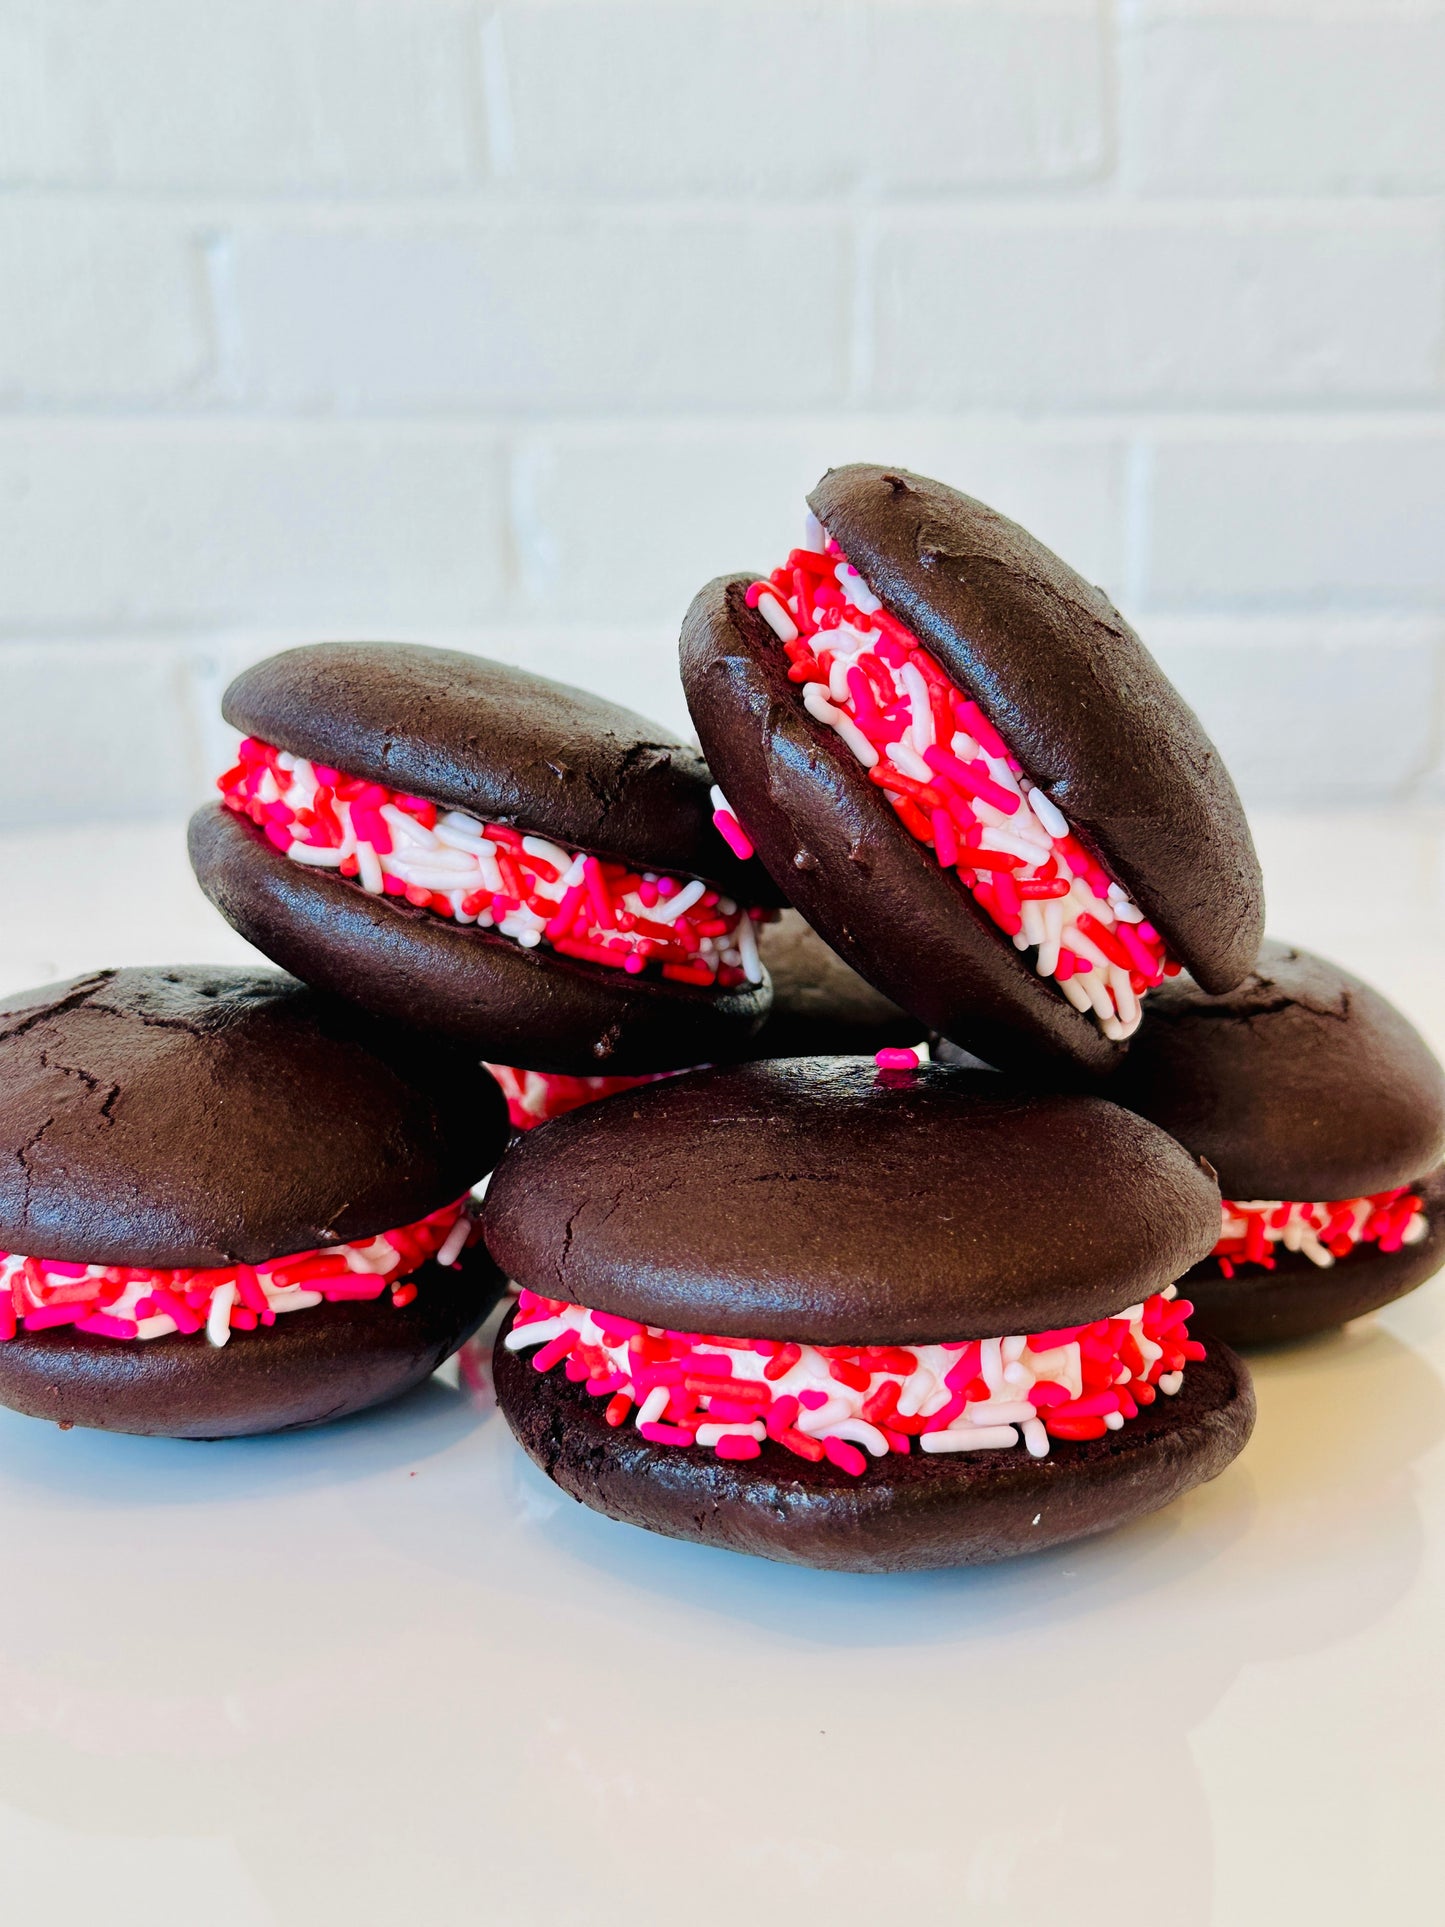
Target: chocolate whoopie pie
x=968 y=773
x=461 y=846
x=1323 y=1112
x=860 y=1319
x=188 y=1154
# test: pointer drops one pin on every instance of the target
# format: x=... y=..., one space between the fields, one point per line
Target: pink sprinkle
x=104 y=1326
x=601 y=899
x=895 y=1059
x=945 y=838
x=555 y=1349
x=733 y=834
x=846 y=1457
x=813 y=1399
x=668 y=1434
x=737 y=1445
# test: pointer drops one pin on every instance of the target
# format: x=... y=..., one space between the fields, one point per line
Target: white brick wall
x=508 y=324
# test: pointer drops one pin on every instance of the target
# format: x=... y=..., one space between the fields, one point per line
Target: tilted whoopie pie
x=860 y=1319
x=1323 y=1111
x=968 y=773
x=188 y=1154
x=462 y=846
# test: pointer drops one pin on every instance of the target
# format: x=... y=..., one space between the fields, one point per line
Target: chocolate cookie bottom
x=910 y=1511
x=310 y=1366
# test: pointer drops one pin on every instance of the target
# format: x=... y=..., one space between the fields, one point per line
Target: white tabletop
x=386 y=1673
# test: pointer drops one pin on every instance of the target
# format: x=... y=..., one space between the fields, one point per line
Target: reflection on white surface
x=385 y=1672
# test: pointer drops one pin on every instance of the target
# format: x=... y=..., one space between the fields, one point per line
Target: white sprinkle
x=909 y=761
x=815 y=536
x=218 y=1318
x=1076 y=994
x=815 y=701
x=549 y=852
x=537 y=1333
x=1049 y=814
x=752 y=963
x=999 y=1411
x=429 y=874
x=368 y=870
x=406 y=828
x=777 y=618
x=290 y=1297
x=1169 y=1384
x=653 y=1406
x=669 y=909
x=855 y=588
x=917 y=1390
x=1036 y=1438
x=970 y=1438
x=710 y=1434
x=314 y=859
x=455 y=1241
x=861 y=1433
x=1114 y=1421
x=817 y=1424
x=990 y=1363
x=917 y=692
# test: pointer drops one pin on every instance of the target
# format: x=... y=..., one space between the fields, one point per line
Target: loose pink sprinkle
x=891 y=1059
x=733 y=834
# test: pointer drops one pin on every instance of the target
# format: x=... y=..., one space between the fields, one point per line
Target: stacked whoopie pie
x=970 y=776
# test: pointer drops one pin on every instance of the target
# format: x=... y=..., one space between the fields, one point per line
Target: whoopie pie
x=967 y=772
x=514 y=864
x=820 y=1008
x=860 y=1319
x=188 y=1154
x=1323 y=1112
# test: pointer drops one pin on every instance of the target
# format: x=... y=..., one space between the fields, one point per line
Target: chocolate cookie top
x=816 y=1199
x=499 y=742
x=202 y=1116
x=821 y=1007
x=1074 y=693
x=1302 y=1082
